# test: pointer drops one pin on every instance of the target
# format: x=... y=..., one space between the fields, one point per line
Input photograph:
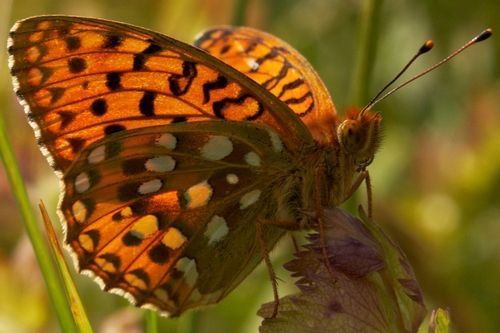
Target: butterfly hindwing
x=82 y=79
x=279 y=68
x=167 y=214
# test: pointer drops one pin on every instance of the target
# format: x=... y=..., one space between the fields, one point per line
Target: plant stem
x=366 y=51
x=239 y=12
x=151 y=321
x=79 y=315
x=54 y=286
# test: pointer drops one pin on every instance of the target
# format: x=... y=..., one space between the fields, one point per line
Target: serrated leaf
x=372 y=287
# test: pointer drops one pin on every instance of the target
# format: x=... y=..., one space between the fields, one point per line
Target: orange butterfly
x=182 y=168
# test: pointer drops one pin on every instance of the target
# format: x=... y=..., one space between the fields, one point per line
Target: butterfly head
x=359 y=136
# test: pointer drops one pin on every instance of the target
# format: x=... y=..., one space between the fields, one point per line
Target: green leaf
x=81 y=320
x=55 y=291
x=371 y=286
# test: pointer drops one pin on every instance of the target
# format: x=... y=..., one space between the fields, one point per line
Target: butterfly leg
x=272 y=274
x=364 y=176
x=294 y=242
x=319 y=215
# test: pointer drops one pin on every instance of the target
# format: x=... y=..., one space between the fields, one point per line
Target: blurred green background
x=436 y=178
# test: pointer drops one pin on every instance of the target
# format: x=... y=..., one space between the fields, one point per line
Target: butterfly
x=171 y=157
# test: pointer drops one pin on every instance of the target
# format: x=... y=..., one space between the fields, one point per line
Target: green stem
x=54 y=286
x=151 y=321
x=188 y=322
x=79 y=315
x=239 y=12
x=366 y=51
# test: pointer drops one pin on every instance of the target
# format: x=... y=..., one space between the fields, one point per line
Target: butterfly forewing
x=279 y=68
x=84 y=79
x=167 y=214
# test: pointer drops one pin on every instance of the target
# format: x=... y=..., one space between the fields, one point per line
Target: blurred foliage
x=436 y=178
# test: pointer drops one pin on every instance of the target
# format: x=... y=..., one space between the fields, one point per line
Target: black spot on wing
x=113 y=128
x=117 y=217
x=152 y=48
x=66 y=118
x=113 y=81
x=219 y=106
x=76 y=144
x=113 y=259
x=99 y=107
x=134 y=166
x=225 y=49
x=179 y=84
x=298 y=100
x=129 y=239
x=146 y=104
x=112 y=41
x=77 y=65
x=209 y=35
x=219 y=83
x=142 y=275
x=159 y=253
x=56 y=93
x=73 y=43
x=139 y=60
x=129 y=191
x=178 y=120
x=289 y=86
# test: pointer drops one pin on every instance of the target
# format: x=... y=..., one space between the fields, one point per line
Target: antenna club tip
x=426 y=47
x=484 y=35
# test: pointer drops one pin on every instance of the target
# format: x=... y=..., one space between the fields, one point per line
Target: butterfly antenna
x=426 y=47
x=479 y=38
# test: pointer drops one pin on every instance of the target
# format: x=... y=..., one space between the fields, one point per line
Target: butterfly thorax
x=328 y=170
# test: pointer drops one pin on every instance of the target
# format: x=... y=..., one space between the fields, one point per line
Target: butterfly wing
x=135 y=123
x=82 y=79
x=279 y=68
x=171 y=222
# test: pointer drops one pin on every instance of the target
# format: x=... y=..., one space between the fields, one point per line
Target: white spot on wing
x=217 y=148
x=97 y=155
x=252 y=159
x=150 y=186
x=160 y=164
x=82 y=182
x=167 y=140
x=216 y=229
x=252 y=63
x=249 y=198
x=188 y=267
x=232 y=179
x=275 y=141
x=198 y=195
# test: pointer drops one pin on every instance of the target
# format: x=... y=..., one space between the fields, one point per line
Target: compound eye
x=350 y=136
